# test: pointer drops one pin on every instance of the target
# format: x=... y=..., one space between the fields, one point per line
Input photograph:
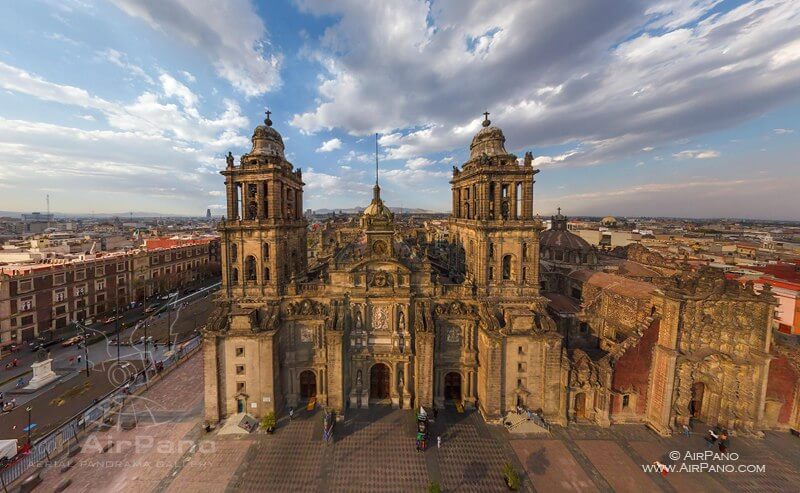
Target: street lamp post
x=116 y=325
x=29 y=409
x=169 y=324
x=86 y=350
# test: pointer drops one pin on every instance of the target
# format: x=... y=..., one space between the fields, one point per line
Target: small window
x=520 y=351
x=240 y=369
x=519 y=382
x=26 y=305
x=521 y=367
x=491 y=273
x=576 y=293
x=239 y=352
x=59 y=279
x=626 y=400
x=240 y=387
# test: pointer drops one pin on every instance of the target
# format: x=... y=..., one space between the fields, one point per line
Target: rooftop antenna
x=48 y=210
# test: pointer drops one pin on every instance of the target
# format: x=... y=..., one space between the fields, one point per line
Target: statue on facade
x=229 y=159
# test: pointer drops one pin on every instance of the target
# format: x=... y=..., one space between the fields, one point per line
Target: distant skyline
x=631 y=108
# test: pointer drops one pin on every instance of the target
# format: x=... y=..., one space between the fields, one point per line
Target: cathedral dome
x=564 y=240
x=267 y=141
x=558 y=237
x=489 y=140
x=377 y=209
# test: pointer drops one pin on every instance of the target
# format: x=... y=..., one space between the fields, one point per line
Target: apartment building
x=39 y=299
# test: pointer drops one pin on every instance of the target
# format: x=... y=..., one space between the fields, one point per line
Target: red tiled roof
x=787 y=272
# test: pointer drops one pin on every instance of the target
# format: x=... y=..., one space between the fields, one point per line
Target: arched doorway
x=379 y=381
x=696 y=404
x=452 y=386
x=308 y=384
x=580 y=406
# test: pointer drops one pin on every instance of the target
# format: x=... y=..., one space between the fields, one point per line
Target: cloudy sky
x=661 y=107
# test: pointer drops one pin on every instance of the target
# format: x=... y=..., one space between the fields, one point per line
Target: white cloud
x=121 y=60
x=230 y=33
x=783 y=131
x=696 y=154
x=693 y=71
x=174 y=88
x=188 y=76
x=418 y=163
x=330 y=145
x=353 y=156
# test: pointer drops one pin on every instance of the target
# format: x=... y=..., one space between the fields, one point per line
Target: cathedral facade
x=390 y=319
x=381 y=321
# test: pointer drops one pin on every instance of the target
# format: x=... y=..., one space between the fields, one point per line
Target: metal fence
x=45 y=448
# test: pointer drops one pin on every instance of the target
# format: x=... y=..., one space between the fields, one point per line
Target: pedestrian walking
x=291 y=413
x=685 y=430
x=439 y=441
x=79 y=359
x=723 y=442
x=711 y=439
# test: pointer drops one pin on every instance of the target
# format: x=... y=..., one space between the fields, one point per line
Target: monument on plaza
x=43 y=373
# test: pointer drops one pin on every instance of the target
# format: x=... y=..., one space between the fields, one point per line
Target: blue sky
x=676 y=108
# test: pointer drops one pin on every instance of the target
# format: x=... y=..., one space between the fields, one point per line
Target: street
x=185 y=320
x=25 y=357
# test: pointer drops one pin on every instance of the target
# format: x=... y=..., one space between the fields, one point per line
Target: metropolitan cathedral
x=394 y=319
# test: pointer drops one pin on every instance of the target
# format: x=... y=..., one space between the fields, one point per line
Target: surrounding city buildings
x=40 y=298
x=645 y=323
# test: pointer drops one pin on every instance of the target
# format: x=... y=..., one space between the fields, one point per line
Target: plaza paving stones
x=682 y=481
x=373 y=451
x=616 y=467
x=551 y=467
x=210 y=467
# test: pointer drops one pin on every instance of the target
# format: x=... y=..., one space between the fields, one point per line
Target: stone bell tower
x=492 y=226
x=377 y=221
x=264 y=235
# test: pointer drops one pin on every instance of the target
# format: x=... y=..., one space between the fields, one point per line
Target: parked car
x=151 y=309
x=72 y=341
x=41 y=343
x=112 y=319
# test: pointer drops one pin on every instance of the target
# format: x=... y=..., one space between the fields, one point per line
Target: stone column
x=230 y=189
x=527 y=199
x=512 y=193
x=334 y=371
x=423 y=369
x=260 y=212
x=210 y=370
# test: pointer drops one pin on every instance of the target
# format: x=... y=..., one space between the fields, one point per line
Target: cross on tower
x=486 y=122
x=559 y=211
x=268 y=121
